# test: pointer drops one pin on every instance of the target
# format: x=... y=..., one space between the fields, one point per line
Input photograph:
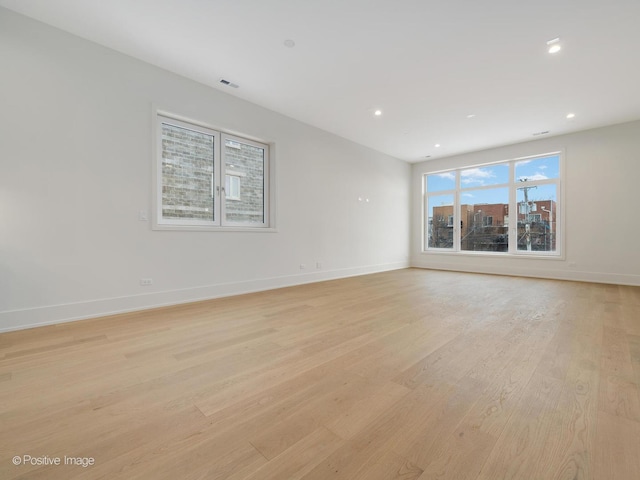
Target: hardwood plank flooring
x=410 y=374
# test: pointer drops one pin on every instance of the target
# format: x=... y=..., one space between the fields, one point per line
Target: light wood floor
x=411 y=374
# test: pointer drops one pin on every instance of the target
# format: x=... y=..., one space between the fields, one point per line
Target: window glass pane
x=481 y=176
x=247 y=162
x=538 y=169
x=439 y=182
x=187 y=174
x=484 y=220
x=537 y=210
x=439 y=232
x=232 y=187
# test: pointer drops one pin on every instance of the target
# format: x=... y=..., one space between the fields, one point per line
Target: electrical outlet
x=145 y=282
x=143 y=216
x=318 y=265
x=302 y=266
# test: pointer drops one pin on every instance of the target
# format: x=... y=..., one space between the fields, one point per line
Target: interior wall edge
x=23 y=319
x=549 y=274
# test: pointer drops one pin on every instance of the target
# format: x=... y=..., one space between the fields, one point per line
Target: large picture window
x=507 y=207
x=208 y=179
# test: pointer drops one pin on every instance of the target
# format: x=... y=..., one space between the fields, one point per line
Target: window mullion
x=456 y=215
x=218 y=173
x=513 y=211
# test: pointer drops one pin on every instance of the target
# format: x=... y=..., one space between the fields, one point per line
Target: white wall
x=602 y=233
x=75 y=153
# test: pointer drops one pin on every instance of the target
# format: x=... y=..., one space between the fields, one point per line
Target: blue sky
x=471 y=178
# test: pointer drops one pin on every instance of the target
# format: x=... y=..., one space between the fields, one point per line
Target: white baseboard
x=552 y=274
x=52 y=314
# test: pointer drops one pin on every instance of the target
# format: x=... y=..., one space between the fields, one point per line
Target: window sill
x=533 y=255
x=204 y=228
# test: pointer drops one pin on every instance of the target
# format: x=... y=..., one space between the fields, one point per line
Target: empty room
x=298 y=239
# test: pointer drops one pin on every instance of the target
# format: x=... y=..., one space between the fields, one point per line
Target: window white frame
x=513 y=184
x=232 y=185
x=224 y=172
x=218 y=223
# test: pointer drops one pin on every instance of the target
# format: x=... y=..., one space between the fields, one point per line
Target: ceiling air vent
x=536 y=134
x=228 y=83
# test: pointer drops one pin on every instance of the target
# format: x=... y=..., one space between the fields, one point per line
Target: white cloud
x=475 y=175
x=448 y=175
x=535 y=176
x=468 y=195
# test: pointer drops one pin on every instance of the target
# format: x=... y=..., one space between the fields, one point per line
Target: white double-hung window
x=207 y=179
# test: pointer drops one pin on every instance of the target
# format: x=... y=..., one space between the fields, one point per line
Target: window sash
x=226 y=166
x=160 y=176
x=512 y=184
x=216 y=187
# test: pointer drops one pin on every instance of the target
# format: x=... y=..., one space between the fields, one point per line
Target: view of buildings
x=485 y=227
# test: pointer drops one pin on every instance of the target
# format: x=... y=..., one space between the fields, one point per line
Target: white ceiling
x=427 y=64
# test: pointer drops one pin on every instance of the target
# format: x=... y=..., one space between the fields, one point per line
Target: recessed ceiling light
x=571 y=115
x=377 y=112
x=289 y=43
x=554 y=45
x=471 y=115
x=437 y=145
